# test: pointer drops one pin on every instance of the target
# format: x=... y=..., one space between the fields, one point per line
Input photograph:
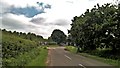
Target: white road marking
x=67 y=57
x=81 y=65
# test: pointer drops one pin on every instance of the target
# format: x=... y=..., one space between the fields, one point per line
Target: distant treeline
x=29 y=35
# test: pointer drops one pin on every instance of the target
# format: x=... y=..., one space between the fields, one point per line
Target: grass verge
x=52 y=45
x=40 y=60
x=71 y=49
x=107 y=61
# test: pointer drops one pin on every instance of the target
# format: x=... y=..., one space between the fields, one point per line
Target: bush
x=22 y=59
x=52 y=43
x=17 y=51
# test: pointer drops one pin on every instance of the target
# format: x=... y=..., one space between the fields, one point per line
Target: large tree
x=58 y=36
x=98 y=27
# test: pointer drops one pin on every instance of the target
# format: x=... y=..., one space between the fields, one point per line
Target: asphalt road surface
x=57 y=56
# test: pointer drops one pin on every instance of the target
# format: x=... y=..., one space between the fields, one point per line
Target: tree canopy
x=58 y=36
x=97 y=28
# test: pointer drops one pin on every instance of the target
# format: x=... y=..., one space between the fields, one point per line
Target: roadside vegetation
x=20 y=49
x=40 y=60
x=97 y=28
x=110 y=61
x=97 y=32
x=53 y=45
x=71 y=49
x=94 y=33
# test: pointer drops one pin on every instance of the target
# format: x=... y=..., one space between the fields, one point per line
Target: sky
x=42 y=16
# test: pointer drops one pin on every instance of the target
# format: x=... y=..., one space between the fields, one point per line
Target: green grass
x=73 y=49
x=40 y=60
x=23 y=58
x=20 y=51
x=52 y=45
x=108 y=61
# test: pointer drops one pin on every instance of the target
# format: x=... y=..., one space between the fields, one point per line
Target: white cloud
x=63 y=10
x=22 y=23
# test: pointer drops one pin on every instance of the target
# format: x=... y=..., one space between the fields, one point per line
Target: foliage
x=71 y=49
x=98 y=27
x=18 y=49
x=58 y=36
x=52 y=43
x=22 y=59
x=29 y=35
x=40 y=60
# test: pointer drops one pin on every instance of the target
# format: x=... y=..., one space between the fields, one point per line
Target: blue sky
x=27 y=11
x=30 y=11
x=43 y=16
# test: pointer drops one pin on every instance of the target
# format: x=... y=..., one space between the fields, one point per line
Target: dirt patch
x=48 y=58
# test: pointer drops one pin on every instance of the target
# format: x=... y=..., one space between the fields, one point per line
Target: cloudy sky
x=42 y=16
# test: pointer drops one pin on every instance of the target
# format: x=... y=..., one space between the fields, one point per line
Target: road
x=57 y=56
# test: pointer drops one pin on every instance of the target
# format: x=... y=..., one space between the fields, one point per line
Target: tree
x=50 y=39
x=97 y=28
x=58 y=36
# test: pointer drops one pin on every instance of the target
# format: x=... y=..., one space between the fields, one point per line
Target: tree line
x=29 y=35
